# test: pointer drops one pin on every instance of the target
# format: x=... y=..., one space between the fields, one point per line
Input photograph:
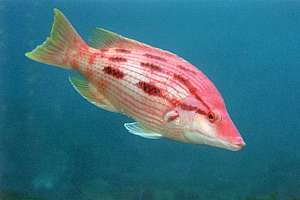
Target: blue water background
x=56 y=145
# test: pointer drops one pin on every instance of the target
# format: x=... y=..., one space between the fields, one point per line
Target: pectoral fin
x=136 y=129
x=171 y=115
x=89 y=92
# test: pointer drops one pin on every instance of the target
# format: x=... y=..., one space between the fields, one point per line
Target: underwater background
x=54 y=145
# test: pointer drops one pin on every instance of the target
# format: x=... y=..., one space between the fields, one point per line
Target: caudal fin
x=62 y=40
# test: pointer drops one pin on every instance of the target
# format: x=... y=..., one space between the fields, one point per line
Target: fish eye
x=212 y=117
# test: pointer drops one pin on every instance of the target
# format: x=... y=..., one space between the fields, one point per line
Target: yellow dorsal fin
x=102 y=38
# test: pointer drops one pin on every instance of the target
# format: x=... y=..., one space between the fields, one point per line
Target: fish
x=164 y=94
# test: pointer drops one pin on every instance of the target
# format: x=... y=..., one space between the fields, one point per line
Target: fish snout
x=238 y=143
x=230 y=134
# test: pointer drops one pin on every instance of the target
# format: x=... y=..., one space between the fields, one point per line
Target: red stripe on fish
x=149 y=88
x=191 y=108
x=186 y=69
x=185 y=82
x=151 y=66
x=93 y=57
x=117 y=59
x=199 y=111
x=122 y=50
x=174 y=102
x=113 y=72
x=154 y=57
x=191 y=88
x=188 y=107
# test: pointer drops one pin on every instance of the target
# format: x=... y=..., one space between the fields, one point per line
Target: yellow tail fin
x=63 y=37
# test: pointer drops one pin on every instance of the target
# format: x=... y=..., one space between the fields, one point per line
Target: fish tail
x=56 y=49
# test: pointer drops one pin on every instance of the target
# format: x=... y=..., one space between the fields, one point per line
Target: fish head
x=212 y=127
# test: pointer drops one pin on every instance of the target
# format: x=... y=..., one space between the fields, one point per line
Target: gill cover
x=184 y=113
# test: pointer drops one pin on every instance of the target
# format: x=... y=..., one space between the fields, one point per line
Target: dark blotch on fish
x=113 y=72
x=149 y=88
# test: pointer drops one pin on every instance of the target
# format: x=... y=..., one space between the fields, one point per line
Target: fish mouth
x=216 y=142
x=237 y=144
x=230 y=146
x=236 y=147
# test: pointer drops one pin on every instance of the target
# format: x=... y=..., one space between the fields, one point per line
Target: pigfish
x=165 y=95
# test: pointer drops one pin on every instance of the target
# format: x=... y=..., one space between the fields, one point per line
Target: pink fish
x=166 y=95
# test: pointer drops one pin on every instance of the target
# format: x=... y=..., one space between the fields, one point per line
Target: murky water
x=55 y=145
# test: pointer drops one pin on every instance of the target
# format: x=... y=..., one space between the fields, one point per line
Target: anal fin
x=90 y=93
x=136 y=129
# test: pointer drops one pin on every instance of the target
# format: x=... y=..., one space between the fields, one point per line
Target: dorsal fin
x=102 y=38
x=89 y=92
